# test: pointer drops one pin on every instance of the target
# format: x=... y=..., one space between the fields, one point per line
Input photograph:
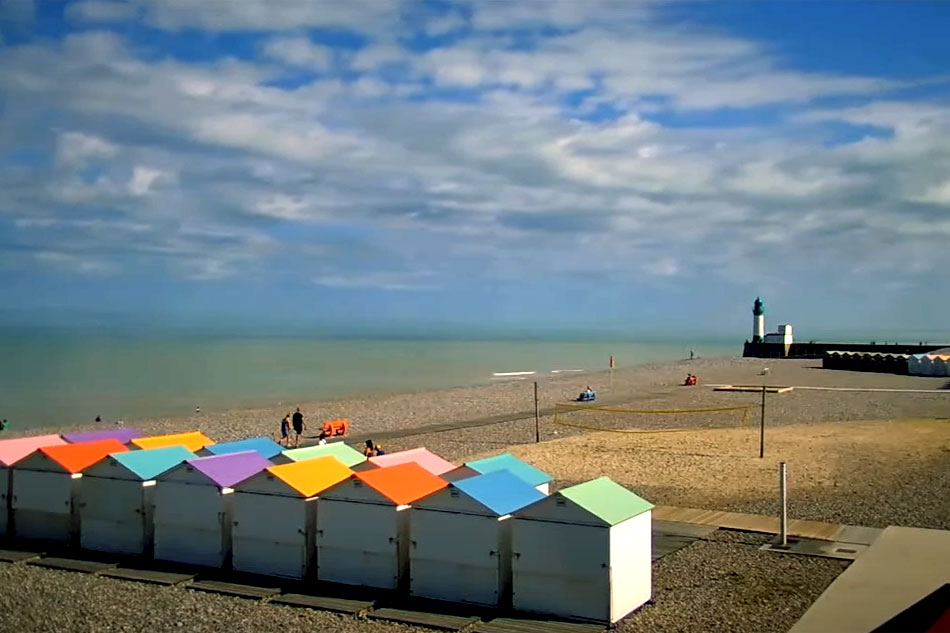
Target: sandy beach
x=871 y=458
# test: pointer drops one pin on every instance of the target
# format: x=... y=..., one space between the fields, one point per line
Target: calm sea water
x=70 y=379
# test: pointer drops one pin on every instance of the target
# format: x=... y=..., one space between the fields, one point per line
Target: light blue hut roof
x=507 y=461
x=501 y=491
x=264 y=446
x=151 y=463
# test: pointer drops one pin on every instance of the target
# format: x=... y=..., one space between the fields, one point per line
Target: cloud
x=144 y=179
x=74 y=148
x=476 y=160
x=298 y=51
x=381 y=281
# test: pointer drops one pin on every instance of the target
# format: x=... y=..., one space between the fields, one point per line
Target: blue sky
x=629 y=167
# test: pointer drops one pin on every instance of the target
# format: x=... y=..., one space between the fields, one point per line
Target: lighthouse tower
x=758 y=324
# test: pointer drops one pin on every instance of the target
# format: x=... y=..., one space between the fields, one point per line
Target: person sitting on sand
x=370 y=449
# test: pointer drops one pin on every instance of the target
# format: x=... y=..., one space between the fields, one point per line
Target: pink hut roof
x=12 y=451
x=422 y=456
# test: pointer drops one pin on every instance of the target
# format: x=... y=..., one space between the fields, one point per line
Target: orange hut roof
x=192 y=441
x=310 y=477
x=77 y=457
x=403 y=483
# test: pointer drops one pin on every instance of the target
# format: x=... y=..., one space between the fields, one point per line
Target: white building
x=275 y=515
x=117 y=499
x=363 y=527
x=193 y=509
x=461 y=539
x=583 y=553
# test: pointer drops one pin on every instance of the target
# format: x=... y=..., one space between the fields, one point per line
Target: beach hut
x=117 y=496
x=461 y=539
x=46 y=489
x=363 y=527
x=12 y=451
x=583 y=553
x=264 y=446
x=192 y=441
x=275 y=514
x=122 y=434
x=506 y=461
x=422 y=456
x=192 y=507
x=346 y=454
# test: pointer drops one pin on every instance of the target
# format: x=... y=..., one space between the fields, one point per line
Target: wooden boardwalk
x=767 y=524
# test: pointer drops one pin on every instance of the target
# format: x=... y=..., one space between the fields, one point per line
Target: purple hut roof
x=231 y=468
x=124 y=435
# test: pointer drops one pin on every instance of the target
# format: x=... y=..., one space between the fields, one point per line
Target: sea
x=69 y=378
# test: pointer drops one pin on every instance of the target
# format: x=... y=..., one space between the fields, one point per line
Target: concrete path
x=901 y=567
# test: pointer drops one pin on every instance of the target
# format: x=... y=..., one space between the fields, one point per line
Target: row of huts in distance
x=935 y=363
x=488 y=532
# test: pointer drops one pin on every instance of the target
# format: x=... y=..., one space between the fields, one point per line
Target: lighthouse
x=758 y=323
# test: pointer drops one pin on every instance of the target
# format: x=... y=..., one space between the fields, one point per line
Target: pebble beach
x=848 y=451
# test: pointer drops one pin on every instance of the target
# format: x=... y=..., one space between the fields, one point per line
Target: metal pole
x=762 y=427
x=783 y=493
x=537 y=416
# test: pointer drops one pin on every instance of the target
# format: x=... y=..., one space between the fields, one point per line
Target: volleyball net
x=609 y=418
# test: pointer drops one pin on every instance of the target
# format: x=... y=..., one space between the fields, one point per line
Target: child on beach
x=285 y=431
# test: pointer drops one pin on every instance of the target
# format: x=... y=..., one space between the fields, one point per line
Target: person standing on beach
x=299 y=426
x=285 y=431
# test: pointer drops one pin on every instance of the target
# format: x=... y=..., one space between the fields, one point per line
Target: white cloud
x=282 y=207
x=299 y=51
x=74 y=148
x=937 y=194
x=383 y=281
x=144 y=179
x=506 y=176
x=87 y=266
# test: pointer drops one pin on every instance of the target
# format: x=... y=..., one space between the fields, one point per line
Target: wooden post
x=762 y=427
x=537 y=415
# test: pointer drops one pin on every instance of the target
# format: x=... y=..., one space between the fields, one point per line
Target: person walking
x=285 y=431
x=299 y=426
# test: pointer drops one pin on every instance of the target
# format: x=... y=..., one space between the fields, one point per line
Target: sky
x=628 y=167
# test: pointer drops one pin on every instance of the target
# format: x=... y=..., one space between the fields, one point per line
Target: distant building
x=779 y=342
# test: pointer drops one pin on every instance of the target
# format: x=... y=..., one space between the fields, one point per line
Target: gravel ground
x=645 y=386
x=725 y=583
x=872 y=473
x=41 y=600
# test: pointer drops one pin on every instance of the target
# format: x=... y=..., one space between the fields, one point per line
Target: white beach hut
x=583 y=553
x=117 y=496
x=193 y=509
x=363 y=527
x=12 y=451
x=461 y=539
x=275 y=514
x=46 y=488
